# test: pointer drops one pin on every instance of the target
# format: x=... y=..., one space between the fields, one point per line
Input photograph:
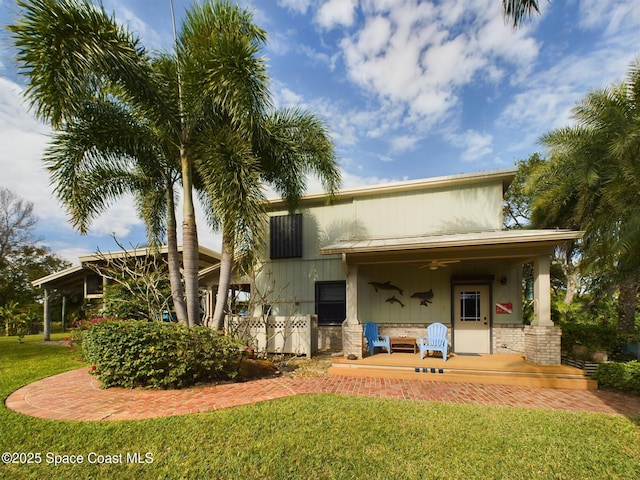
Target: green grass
x=319 y=437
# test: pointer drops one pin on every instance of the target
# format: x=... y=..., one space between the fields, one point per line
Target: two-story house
x=408 y=254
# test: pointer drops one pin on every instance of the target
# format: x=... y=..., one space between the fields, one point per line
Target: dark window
x=93 y=284
x=331 y=303
x=286 y=236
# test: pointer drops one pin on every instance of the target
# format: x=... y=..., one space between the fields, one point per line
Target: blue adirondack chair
x=374 y=339
x=436 y=339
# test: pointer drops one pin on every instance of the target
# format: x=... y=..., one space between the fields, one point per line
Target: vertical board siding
x=459 y=208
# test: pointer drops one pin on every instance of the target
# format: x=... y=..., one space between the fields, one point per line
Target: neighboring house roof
x=73 y=278
x=207 y=257
x=505 y=176
x=69 y=278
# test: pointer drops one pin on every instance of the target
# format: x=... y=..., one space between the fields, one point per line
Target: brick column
x=542 y=344
x=351 y=328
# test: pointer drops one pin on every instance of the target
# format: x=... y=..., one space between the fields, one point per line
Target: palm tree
x=516 y=11
x=285 y=147
x=206 y=106
x=592 y=182
x=94 y=83
x=73 y=52
x=105 y=152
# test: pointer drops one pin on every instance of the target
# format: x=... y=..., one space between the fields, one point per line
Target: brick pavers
x=76 y=395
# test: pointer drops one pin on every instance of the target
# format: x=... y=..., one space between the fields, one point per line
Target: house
x=403 y=255
x=408 y=254
x=85 y=280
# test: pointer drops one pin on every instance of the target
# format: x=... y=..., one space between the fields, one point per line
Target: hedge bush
x=593 y=337
x=134 y=353
x=619 y=376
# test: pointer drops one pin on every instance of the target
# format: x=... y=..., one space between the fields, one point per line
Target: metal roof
x=471 y=245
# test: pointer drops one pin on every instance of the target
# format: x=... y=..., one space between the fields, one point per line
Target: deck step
x=444 y=374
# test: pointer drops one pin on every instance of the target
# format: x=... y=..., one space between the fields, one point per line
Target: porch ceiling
x=520 y=245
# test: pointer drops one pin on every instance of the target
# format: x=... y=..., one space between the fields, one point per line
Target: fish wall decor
x=394 y=300
x=424 y=297
x=385 y=286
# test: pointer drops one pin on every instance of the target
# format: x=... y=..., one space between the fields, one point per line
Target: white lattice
x=295 y=335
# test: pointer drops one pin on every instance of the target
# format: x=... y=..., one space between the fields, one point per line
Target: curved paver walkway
x=76 y=395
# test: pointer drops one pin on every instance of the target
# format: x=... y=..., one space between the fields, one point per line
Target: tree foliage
x=517 y=11
x=203 y=110
x=592 y=183
x=22 y=257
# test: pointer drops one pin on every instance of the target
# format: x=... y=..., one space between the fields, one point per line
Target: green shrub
x=593 y=337
x=619 y=376
x=157 y=355
x=79 y=327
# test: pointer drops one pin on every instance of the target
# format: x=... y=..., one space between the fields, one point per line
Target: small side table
x=403 y=344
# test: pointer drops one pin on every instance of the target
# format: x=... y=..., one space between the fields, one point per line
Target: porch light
x=528 y=290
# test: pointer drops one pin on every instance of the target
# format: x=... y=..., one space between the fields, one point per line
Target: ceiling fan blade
x=435 y=264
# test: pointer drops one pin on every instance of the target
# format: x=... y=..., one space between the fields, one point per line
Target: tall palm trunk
x=226 y=266
x=627 y=302
x=173 y=259
x=190 y=252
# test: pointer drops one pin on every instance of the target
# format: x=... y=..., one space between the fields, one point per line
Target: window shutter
x=286 y=236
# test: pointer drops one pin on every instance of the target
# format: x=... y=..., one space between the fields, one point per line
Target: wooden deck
x=501 y=369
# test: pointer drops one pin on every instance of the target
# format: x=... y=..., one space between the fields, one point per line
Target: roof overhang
x=207 y=257
x=68 y=279
x=73 y=278
x=515 y=244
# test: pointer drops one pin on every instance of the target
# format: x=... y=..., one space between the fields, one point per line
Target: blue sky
x=409 y=89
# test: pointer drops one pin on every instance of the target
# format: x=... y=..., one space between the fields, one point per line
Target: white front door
x=471 y=319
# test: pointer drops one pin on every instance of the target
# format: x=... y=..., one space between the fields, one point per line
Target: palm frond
x=516 y=11
x=69 y=51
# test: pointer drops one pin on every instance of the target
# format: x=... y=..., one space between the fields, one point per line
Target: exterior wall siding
x=289 y=284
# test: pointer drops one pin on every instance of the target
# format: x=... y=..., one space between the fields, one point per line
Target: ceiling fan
x=435 y=264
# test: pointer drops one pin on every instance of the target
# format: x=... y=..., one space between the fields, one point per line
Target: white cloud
x=286 y=97
x=404 y=143
x=298 y=6
x=613 y=15
x=333 y=13
x=475 y=145
x=552 y=93
x=150 y=38
x=421 y=55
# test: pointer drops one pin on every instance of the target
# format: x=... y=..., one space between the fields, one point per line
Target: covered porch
x=498 y=369
x=448 y=273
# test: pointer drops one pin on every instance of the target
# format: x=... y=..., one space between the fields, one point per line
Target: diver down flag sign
x=504 y=308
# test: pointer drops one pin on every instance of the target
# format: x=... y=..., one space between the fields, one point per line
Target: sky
x=409 y=89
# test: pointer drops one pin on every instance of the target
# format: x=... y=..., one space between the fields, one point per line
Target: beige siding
x=288 y=285
x=416 y=211
x=433 y=211
x=372 y=305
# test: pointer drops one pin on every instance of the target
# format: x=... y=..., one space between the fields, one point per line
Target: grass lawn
x=315 y=437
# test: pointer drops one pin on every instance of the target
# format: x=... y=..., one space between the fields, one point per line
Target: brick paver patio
x=76 y=395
